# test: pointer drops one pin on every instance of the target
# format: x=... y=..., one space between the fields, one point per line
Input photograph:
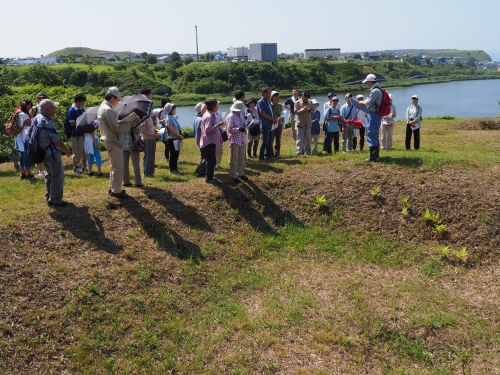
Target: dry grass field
x=316 y=265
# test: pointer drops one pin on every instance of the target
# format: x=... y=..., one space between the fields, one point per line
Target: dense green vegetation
x=189 y=83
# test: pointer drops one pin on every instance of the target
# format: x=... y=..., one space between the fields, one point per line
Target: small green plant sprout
x=462 y=254
x=443 y=250
x=320 y=202
x=406 y=206
x=375 y=191
x=431 y=218
x=302 y=190
x=439 y=229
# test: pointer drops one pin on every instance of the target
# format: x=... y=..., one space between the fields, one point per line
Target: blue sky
x=158 y=26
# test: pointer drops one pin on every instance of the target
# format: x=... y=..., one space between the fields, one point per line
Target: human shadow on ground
x=167 y=239
x=411 y=162
x=240 y=196
x=182 y=212
x=79 y=222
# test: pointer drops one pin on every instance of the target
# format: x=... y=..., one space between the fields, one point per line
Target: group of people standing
x=249 y=123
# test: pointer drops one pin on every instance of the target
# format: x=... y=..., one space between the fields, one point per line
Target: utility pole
x=197 y=57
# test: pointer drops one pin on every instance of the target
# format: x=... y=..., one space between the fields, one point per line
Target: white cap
x=237 y=106
x=391 y=96
x=360 y=96
x=314 y=101
x=414 y=97
x=199 y=107
x=370 y=78
x=168 y=108
x=274 y=93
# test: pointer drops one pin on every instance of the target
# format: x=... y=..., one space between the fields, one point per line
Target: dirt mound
x=478 y=124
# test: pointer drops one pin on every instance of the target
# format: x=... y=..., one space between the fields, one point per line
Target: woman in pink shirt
x=210 y=137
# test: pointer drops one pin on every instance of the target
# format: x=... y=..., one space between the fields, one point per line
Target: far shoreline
x=225 y=99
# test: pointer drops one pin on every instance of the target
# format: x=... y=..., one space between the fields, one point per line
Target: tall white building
x=237 y=53
x=323 y=52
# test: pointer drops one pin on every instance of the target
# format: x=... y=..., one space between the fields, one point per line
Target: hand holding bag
x=138 y=145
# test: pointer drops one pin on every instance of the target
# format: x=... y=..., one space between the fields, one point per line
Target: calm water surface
x=463 y=99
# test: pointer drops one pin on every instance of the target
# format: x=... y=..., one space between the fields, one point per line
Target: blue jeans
x=23 y=162
x=331 y=136
x=266 y=149
x=372 y=130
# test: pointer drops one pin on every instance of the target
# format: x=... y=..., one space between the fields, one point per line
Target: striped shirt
x=234 y=122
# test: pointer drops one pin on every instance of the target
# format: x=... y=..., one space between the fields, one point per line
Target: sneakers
x=212 y=181
x=77 y=170
x=42 y=173
x=244 y=178
x=236 y=180
x=85 y=169
x=121 y=195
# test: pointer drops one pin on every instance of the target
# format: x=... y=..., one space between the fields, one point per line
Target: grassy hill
x=86 y=52
x=317 y=265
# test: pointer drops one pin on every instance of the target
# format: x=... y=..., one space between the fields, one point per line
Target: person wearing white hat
x=236 y=129
x=372 y=103
x=200 y=109
x=413 y=119
x=388 y=126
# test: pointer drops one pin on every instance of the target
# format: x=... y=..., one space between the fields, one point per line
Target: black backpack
x=67 y=127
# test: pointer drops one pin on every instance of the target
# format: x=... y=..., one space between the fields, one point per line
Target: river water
x=462 y=99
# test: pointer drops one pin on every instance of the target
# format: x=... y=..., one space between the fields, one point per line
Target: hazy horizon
x=171 y=27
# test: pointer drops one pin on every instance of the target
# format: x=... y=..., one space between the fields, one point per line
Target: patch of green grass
x=320 y=202
x=375 y=191
x=429 y=218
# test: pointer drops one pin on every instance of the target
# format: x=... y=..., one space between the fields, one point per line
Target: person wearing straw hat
x=236 y=129
x=388 y=126
x=413 y=119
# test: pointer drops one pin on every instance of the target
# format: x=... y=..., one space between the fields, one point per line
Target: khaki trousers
x=116 y=173
x=218 y=154
x=237 y=160
x=303 y=141
x=386 y=140
x=78 y=150
x=136 y=157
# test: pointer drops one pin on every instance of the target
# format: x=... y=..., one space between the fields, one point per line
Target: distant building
x=374 y=56
x=46 y=60
x=323 y=52
x=163 y=59
x=263 y=52
x=240 y=53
